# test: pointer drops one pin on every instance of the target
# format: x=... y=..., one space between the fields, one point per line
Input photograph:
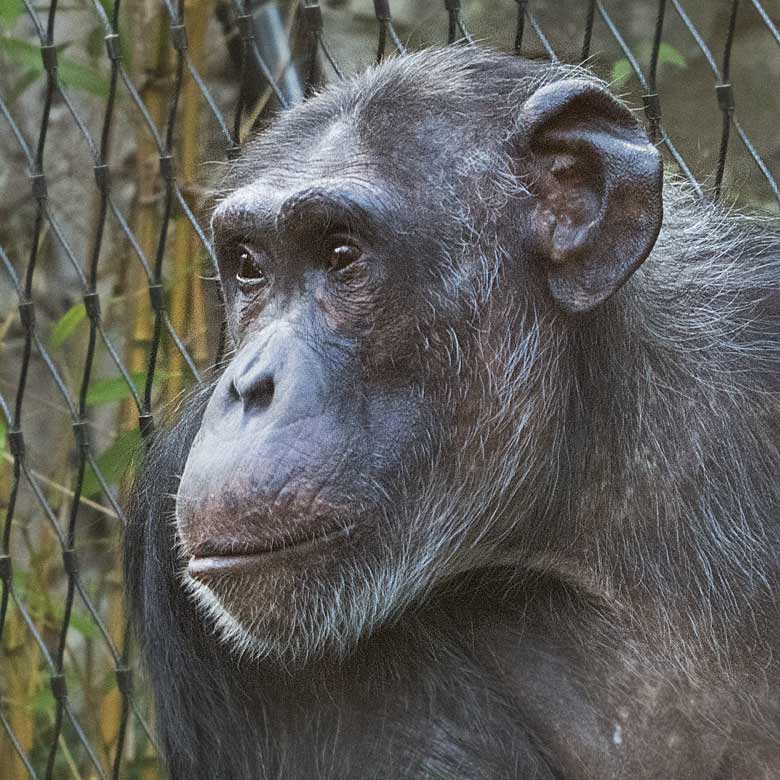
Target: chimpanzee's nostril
x=264 y=392
x=254 y=389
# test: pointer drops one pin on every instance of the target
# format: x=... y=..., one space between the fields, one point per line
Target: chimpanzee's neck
x=457 y=689
x=483 y=680
x=664 y=475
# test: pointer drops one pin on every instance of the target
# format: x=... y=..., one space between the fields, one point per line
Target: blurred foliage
x=667 y=55
x=27 y=57
x=24 y=57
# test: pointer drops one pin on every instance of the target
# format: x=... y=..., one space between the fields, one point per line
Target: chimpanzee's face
x=396 y=260
x=300 y=504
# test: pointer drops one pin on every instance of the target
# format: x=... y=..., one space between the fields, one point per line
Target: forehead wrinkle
x=359 y=200
x=244 y=211
x=271 y=203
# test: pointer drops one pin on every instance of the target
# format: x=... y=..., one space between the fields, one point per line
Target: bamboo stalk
x=151 y=74
x=20 y=682
x=111 y=703
x=187 y=313
x=151 y=63
x=20 y=672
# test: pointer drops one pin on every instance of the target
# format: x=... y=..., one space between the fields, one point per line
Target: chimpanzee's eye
x=341 y=251
x=250 y=273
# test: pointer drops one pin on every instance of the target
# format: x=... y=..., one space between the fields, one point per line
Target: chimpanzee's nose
x=279 y=379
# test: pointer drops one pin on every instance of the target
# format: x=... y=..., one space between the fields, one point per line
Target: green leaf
x=22 y=53
x=21 y=580
x=95 y=44
x=10 y=11
x=113 y=389
x=3 y=430
x=79 y=621
x=109 y=391
x=620 y=73
x=43 y=701
x=66 y=325
x=669 y=55
x=84 y=625
x=70 y=72
x=112 y=462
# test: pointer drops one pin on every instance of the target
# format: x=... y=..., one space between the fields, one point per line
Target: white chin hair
x=224 y=625
x=330 y=619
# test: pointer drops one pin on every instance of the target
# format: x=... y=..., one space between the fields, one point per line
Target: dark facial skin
x=475 y=495
x=322 y=407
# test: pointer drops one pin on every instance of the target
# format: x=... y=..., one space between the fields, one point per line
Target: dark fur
x=635 y=633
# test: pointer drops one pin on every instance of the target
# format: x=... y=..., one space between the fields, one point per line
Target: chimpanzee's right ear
x=597 y=181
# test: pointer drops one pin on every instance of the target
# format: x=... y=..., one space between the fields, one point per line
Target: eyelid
x=255 y=251
x=320 y=224
x=343 y=235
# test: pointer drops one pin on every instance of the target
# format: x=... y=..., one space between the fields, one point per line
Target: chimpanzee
x=490 y=485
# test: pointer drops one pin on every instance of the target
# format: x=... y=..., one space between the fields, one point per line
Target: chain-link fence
x=111 y=115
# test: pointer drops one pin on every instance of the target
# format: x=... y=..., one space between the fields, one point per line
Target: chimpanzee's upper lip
x=209 y=559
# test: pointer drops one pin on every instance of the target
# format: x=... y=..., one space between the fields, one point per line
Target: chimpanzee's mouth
x=207 y=560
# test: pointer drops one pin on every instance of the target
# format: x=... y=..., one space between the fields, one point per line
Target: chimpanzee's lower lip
x=201 y=566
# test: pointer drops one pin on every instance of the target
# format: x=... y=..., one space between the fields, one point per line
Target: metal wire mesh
x=66 y=628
